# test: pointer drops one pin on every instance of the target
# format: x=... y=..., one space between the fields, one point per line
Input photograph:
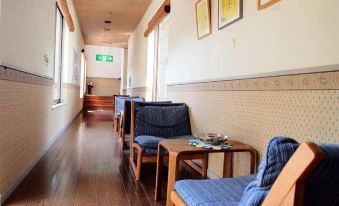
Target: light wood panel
x=67 y=15
x=163 y=11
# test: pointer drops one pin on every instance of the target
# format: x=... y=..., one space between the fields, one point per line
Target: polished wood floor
x=85 y=167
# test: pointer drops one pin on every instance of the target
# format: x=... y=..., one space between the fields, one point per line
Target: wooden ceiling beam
x=67 y=15
x=163 y=11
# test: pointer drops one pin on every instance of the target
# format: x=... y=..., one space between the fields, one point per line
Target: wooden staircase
x=92 y=102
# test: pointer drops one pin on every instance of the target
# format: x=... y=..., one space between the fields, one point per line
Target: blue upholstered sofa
x=151 y=123
x=319 y=181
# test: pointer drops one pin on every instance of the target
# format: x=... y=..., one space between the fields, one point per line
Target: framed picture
x=203 y=18
x=229 y=11
x=263 y=4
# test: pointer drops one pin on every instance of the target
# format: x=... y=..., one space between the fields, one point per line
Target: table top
x=183 y=146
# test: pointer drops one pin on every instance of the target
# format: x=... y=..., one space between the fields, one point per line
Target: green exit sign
x=104 y=58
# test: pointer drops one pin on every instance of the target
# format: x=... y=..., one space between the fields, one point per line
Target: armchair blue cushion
x=150 y=143
x=321 y=187
x=216 y=192
x=251 y=192
x=279 y=151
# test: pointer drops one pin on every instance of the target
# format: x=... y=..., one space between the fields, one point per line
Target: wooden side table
x=181 y=150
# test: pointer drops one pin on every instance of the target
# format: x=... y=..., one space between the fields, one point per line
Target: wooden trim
x=67 y=15
x=264 y=6
x=176 y=199
x=160 y=15
x=228 y=165
x=132 y=131
x=209 y=19
x=289 y=187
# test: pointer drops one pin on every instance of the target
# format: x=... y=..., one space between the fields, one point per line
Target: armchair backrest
x=119 y=104
x=114 y=100
x=127 y=113
x=159 y=119
x=289 y=187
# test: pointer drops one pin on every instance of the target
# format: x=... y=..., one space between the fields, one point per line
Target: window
x=58 y=56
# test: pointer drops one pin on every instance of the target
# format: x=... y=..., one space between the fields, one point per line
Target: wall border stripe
x=10 y=74
x=310 y=81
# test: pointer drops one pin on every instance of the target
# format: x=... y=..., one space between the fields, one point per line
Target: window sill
x=56 y=106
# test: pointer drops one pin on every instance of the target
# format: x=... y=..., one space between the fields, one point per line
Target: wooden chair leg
x=204 y=166
x=136 y=164
x=139 y=165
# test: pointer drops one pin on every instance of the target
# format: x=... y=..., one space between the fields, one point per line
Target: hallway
x=84 y=167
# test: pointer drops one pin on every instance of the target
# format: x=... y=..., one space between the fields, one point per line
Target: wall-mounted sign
x=104 y=58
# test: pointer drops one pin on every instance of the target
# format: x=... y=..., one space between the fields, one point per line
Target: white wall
x=27 y=35
x=104 y=69
x=73 y=43
x=288 y=36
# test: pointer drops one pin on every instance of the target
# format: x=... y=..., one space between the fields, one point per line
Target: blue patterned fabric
x=162 y=121
x=216 y=192
x=278 y=152
x=322 y=187
x=151 y=142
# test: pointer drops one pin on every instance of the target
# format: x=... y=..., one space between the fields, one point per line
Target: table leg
x=228 y=167
x=160 y=163
x=253 y=161
x=204 y=166
x=172 y=176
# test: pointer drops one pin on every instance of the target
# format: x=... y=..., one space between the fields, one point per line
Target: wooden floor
x=85 y=167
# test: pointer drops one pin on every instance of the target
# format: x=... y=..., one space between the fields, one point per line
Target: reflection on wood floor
x=85 y=167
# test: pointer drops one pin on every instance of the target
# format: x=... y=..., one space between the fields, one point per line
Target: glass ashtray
x=212 y=138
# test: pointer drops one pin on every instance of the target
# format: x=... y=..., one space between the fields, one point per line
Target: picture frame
x=203 y=18
x=263 y=4
x=229 y=12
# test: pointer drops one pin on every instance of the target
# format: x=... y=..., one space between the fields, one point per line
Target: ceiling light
x=107 y=26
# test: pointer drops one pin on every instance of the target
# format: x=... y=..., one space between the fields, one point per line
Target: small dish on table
x=212 y=138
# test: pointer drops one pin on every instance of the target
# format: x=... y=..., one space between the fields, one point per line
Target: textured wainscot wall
x=304 y=107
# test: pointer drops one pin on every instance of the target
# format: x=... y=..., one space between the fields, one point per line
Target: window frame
x=58 y=100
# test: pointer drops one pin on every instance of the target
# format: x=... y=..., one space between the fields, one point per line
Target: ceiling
x=124 y=15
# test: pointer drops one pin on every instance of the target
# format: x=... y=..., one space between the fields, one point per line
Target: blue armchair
x=289 y=174
x=151 y=123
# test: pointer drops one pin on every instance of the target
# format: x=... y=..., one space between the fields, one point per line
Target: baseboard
x=10 y=190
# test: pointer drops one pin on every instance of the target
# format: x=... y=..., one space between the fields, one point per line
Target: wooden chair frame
x=137 y=157
x=289 y=187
